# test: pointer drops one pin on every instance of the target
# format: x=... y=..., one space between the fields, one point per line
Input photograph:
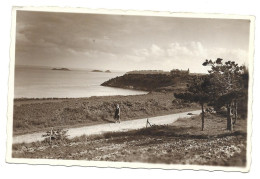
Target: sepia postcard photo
x=136 y=89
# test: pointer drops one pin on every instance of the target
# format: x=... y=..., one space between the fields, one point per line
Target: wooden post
x=229 y=118
x=51 y=134
x=202 y=117
x=235 y=112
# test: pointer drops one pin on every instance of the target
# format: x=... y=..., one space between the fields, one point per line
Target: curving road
x=111 y=127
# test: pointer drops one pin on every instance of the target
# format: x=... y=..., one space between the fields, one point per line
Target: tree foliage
x=226 y=77
x=198 y=91
x=226 y=85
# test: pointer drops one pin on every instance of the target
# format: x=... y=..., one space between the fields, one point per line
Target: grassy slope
x=180 y=143
x=37 y=115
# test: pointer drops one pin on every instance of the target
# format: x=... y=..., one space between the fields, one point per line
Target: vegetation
x=180 y=143
x=198 y=91
x=227 y=87
x=55 y=136
x=179 y=72
x=38 y=115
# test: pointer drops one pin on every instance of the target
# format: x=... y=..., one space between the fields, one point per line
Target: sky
x=125 y=43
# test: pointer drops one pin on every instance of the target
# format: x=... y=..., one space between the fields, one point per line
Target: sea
x=34 y=82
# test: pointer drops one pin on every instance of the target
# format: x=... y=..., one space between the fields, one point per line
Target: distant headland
x=153 y=80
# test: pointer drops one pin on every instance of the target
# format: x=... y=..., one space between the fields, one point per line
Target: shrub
x=56 y=136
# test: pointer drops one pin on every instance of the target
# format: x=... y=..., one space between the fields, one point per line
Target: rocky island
x=63 y=69
x=96 y=71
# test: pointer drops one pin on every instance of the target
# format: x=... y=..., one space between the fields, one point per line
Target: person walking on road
x=117 y=114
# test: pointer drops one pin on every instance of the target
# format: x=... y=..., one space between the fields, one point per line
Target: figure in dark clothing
x=117 y=114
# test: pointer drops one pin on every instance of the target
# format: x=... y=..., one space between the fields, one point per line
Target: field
x=179 y=143
x=34 y=115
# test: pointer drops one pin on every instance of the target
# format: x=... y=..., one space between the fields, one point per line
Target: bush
x=56 y=136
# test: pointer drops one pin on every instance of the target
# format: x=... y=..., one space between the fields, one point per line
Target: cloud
x=173 y=49
x=126 y=42
x=186 y=49
x=238 y=55
x=157 y=51
x=187 y=55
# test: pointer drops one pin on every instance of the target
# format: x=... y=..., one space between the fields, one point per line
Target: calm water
x=45 y=83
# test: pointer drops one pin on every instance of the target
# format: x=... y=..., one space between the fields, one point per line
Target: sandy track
x=111 y=127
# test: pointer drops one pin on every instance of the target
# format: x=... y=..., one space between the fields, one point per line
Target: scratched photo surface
x=131 y=88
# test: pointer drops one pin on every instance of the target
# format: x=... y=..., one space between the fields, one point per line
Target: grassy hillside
x=35 y=114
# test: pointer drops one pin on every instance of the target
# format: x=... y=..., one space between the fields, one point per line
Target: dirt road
x=111 y=127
